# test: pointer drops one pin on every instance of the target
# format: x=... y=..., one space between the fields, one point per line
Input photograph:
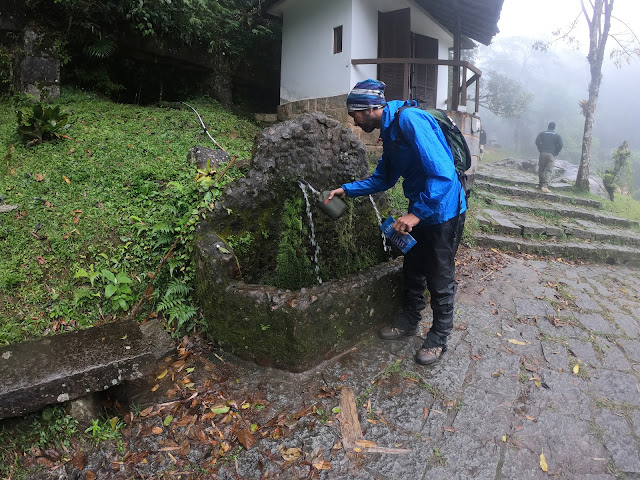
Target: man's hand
x=405 y=223
x=338 y=191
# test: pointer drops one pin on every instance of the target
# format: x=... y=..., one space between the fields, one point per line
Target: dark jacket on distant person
x=549 y=142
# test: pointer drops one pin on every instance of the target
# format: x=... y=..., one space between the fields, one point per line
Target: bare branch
x=584 y=11
x=629 y=30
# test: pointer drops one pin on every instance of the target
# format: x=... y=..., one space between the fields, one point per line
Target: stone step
x=515 y=223
x=64 y=367
x=592 y=252
x=518 y=179
x=534 y=193
x=558 y=209
x=512 y=223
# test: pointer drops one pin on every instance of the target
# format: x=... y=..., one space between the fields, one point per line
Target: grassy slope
x=104 y=203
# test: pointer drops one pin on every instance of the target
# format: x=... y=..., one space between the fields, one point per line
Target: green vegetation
x=99 y=209
x=50 y=428
x=94 y=41
x=41 y=123
x=293 y=267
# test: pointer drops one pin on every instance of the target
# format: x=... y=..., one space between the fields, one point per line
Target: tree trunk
x=598 y=34
x=582 y=181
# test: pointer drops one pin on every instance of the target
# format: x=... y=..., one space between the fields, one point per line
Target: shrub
x=41 y=123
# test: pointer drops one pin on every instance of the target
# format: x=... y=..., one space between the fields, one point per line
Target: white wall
x=364 y=41
x=310 y=69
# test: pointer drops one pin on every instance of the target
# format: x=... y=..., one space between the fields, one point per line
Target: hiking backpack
x=455 y=140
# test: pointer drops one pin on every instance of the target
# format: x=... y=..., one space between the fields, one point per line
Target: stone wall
x=38 y=69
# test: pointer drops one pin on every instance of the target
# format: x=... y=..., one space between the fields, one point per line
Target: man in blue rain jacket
x=414 y=148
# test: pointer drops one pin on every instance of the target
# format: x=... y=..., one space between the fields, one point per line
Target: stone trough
x=280 y=283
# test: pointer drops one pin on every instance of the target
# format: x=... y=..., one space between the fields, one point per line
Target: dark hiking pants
x=431 y=263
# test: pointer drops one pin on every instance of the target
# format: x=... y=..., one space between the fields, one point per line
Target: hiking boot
x=427 y=356
x=392 y=332
x=545 y=190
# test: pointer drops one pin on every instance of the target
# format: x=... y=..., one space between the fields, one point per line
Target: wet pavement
x=544 y=359
x=543 y=364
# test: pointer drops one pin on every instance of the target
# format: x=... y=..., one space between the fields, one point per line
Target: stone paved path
x=507 y=390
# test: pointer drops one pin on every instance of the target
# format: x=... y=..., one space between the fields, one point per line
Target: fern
x=101 y=48
x=177 y=306
x=177 y=288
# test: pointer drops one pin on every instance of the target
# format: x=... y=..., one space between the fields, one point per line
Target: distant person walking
x=549 y=144
x=483 y=141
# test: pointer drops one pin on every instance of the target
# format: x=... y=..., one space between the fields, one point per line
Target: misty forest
x=526 y=86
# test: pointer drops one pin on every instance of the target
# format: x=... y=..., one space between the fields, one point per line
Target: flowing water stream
x=304 y=186
x=387 y=247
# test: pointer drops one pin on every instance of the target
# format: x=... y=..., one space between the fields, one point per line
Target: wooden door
x=424 y=78
x=394 y=41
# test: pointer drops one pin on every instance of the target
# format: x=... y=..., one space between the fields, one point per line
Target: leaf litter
x=197 y=424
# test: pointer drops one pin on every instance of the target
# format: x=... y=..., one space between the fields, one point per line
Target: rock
x=199 y=155
x=85 y=409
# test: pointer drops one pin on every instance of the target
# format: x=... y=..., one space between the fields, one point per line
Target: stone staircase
x=516 y=216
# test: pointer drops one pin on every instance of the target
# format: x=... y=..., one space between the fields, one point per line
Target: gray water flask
x=335 y=207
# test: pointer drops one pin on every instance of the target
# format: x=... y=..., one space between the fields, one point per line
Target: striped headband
x=365 y=95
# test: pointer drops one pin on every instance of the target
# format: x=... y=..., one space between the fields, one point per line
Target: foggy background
x=557 y=80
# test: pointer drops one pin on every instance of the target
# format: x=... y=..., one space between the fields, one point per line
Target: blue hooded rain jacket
x=420 y=154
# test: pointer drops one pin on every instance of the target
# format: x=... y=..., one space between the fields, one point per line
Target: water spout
x=314 y=259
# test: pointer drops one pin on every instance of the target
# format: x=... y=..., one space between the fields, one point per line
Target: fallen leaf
x=517 y=342
x=66 y=179
x=246 y=439
x=38 y=177
x=322 y=465
x=425 y=412
x=504 y=438
x=156 y=430
x=146 y=411
x=220 y=409
x=155 y=387
x=163 y=374
x=449 y=429
x=90 y=475
x=576 y=369
x=168 y=420
x=543 y=462
x=79 y=461
x=41 y=260
x=290 y=454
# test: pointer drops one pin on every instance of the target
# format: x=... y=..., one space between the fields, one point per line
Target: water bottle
x=335 y=207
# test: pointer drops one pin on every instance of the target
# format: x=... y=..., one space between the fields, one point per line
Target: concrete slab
x=67 y=366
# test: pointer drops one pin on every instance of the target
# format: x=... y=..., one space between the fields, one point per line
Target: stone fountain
x=278 y=281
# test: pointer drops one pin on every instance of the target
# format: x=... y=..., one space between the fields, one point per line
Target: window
x=337 y=39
